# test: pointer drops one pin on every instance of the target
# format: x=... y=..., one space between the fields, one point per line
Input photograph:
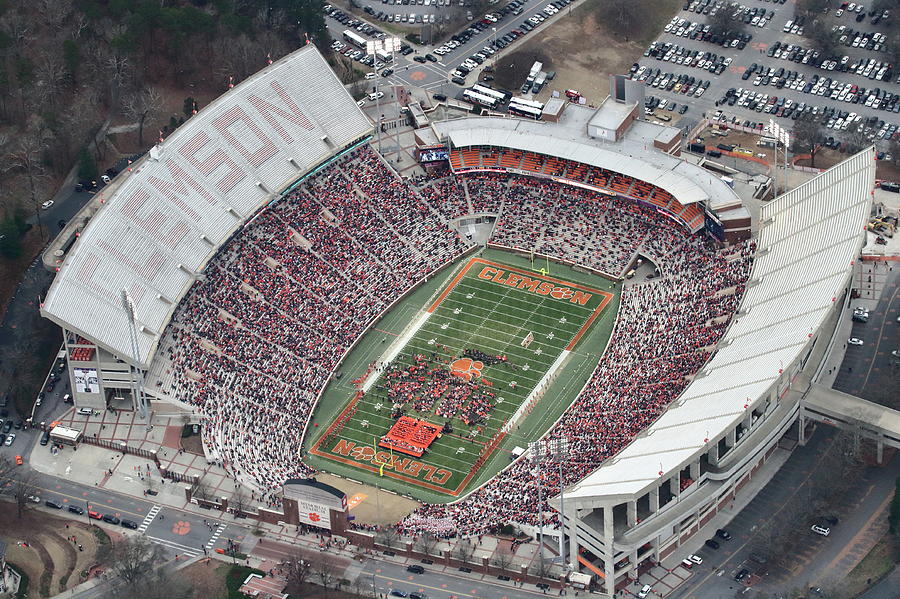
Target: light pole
x=137 y=379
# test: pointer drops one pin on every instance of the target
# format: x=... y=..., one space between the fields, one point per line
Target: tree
x=894 y=515
x=540 y=567
x=159 y=585
x=623 y=14
x=324 y=570
x=807 y=137
x=722 y=25
x=856 y=138
x=503 y=556
x=239 y=501
x=87 y=166
x=133 y=558
x=387 y=536
x=200 y=490
x=27 y=159
x=426 y=543
x=143 y=105
x=464 y=550
x=297 y=569
x=22 y=486
x=821 y=38
x=812 y=7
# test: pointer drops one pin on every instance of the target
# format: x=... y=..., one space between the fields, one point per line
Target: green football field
x=491 y=358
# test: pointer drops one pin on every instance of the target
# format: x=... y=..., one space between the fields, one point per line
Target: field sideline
x=493 y=335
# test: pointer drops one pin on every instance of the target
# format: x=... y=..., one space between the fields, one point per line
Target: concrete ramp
x=874 y=421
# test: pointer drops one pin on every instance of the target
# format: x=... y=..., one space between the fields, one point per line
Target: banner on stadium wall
x=314 y=514
x=86 y=380
x=314 y=500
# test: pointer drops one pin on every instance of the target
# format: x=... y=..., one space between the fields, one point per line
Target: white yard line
x=514 y=419
x=398 y=344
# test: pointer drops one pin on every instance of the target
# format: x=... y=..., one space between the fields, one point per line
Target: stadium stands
x=473 y=159
x=254 y=343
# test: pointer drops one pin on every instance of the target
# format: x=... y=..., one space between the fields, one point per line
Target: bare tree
x=426 y=543
x=387 y=536
x=807 y=137
x=503 y=557
x=464 y=550
x=26 y=157
x=23 y=486
x=132 y=559
x=239 y=500
x=297 y=570
x=324 y=570
x=143 y=105
x=201 y=490
x=540 y=567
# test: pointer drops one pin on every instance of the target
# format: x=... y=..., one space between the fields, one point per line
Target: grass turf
x=468 y=312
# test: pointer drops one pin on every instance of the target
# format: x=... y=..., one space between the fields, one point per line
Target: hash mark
x=538 y=351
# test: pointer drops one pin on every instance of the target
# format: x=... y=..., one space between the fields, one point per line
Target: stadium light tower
x=391 y=45
x=138 y=402
x=782 y=136
x=553 y=450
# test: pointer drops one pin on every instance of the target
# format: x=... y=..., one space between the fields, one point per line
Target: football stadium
x=564 y=326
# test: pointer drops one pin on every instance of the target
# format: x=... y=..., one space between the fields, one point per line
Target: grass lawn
x=489 y=356
x=878 y=563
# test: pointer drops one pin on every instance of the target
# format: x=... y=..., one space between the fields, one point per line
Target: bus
x=526 y=111
x=480 y=99
x=355 y=39
x=524 y=102
x=489 y=91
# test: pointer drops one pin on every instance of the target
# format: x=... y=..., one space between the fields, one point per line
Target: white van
x=86 y=411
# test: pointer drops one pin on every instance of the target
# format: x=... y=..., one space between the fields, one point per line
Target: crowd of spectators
x=256 y=340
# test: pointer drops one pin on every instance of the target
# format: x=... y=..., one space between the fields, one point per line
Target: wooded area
x=68 y=66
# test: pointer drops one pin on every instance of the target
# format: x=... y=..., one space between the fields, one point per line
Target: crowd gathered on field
x=255 y=341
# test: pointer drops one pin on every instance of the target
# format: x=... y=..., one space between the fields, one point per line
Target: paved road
x=866 y=369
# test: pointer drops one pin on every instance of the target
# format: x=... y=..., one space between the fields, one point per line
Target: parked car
x=76 y=510
x=712 y=544
x=94 y=515
x=415 y=569
x=741 y=575
x=398 y=593
x=645 y=590
x=110 y=519
x=34 y=499
x=54 y=504
x=723 y=534
x=820 y=530
x=129 y=524
x=855 y=341
x=10 y=439
x=696 y=559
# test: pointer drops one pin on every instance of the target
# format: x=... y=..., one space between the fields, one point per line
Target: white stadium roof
x=808 y=241
x=634 y=155
x=167 y=218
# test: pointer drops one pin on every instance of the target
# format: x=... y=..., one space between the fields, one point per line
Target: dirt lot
x=583 y=51
x=38 y=545
x=392 y=507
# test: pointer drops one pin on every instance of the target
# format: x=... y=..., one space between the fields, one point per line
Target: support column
x=654 y=500
x=801 y=429
x=713 y=454
x=609 y=565
x=573 y=541
x=675 y=484
x=695 y=470
x=731 y=438
x=631 y=513
x=879 y=452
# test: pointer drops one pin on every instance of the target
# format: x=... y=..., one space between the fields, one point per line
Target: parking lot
x=769 y=70
x=433 y=67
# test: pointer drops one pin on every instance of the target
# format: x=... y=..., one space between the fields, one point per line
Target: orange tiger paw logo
x=562 y=293
x=181 y=527
x=466 y=368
